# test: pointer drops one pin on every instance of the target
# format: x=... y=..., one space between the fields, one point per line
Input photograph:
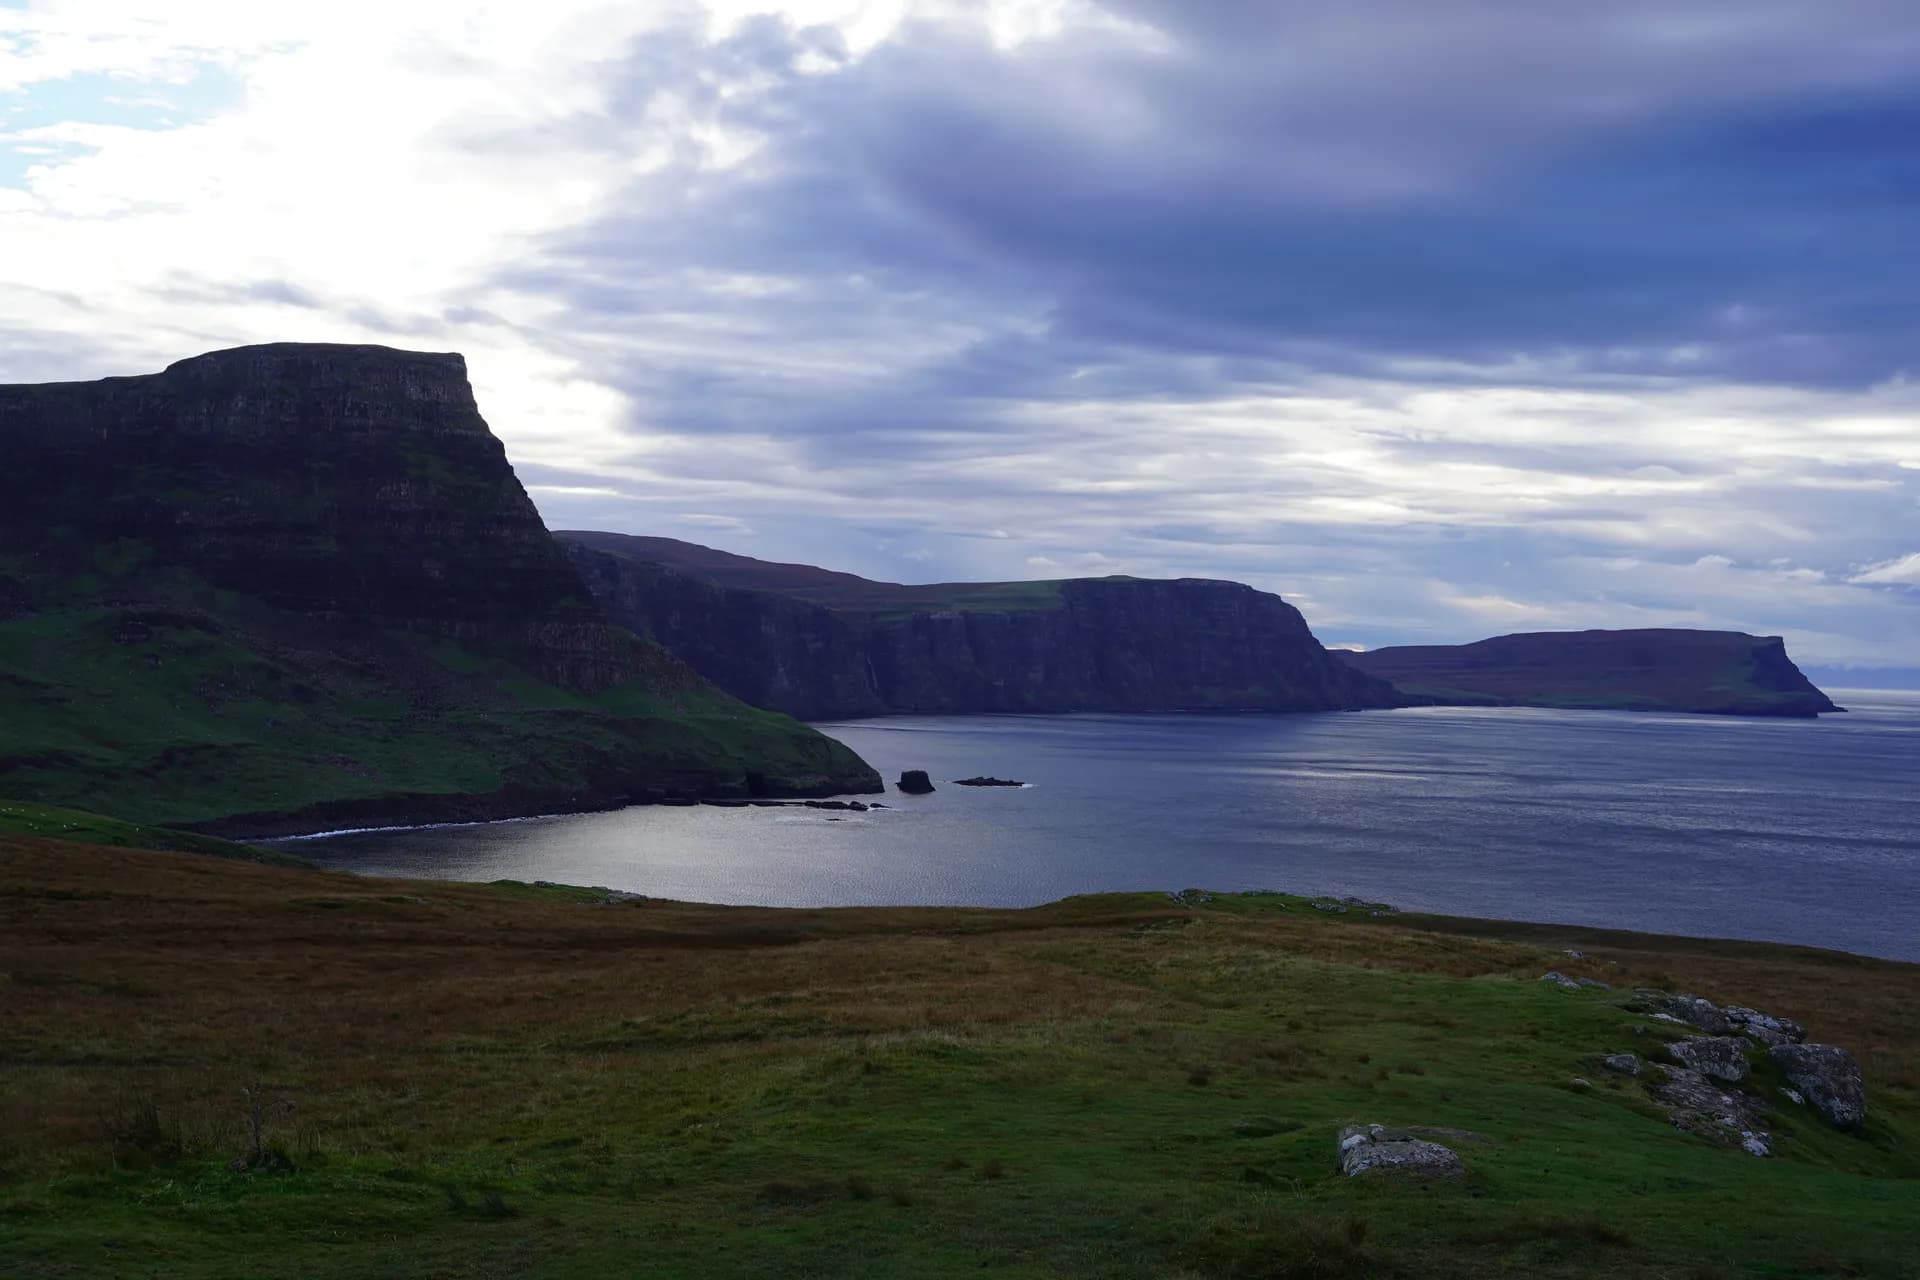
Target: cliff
x=1721 y=672
x=820 y=644
x=296 y=584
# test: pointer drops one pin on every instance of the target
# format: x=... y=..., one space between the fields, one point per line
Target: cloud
x=1444 y=319
x=1904 y=571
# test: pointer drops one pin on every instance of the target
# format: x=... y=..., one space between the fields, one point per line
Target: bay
x=1789 y=831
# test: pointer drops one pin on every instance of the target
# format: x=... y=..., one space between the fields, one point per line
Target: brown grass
x=124 y=974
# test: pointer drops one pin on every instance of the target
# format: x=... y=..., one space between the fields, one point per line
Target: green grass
x=207 y=712
x=18 y=818
x=1112 y=1086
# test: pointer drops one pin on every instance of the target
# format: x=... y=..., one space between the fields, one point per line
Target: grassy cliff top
x=1654 y=669
x=828 y=588
x=536 y=1081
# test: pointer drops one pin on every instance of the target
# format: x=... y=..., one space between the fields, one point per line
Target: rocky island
x=287 y=586
x=820 y=644
x=1719 y=672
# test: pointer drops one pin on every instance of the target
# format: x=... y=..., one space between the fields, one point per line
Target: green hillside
x=573 y=1084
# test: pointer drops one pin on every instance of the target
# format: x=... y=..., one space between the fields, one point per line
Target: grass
x=18 y=818
x=514 y=1080
x=230 y=716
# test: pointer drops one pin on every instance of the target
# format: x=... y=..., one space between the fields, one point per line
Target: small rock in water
x=1829 y=1078
x=1374 y=1149
x=984 y=781
x=1721 y=1057
x=915 y=782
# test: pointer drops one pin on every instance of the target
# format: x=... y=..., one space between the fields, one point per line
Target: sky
x=1442 y=321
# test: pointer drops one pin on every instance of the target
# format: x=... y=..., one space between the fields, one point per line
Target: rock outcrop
x=1721 y=672
x=1699 y=1105
x=292 y=585
x=1830 y=1079
x=1374 y=1150
x=915 y=782
x=1722 y=1058
x=819 y=644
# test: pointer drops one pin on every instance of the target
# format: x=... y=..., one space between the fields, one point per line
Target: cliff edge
x=820 y=644
x=290 y=585
x=1717 y=672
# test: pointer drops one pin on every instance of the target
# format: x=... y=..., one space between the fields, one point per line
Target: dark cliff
x=821 y=644
x=291 y=584
x=1720 y=672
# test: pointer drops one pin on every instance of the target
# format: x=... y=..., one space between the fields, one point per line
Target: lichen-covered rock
x=1371 y=1149
x=1695 y=1011
x=1720 y=1057
x=1697 y=1105
x=1830 y=1079
x=1765 y=1028
x=1698 y=1012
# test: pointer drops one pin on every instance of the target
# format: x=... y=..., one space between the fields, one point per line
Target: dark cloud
x=937 y=254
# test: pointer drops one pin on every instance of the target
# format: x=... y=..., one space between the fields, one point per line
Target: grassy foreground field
x=506 y=1080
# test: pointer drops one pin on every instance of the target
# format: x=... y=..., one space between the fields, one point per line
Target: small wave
x=411 y=826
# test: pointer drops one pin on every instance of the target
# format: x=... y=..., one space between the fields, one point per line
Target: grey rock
x=1829 y=1077
x=1371 y=1149
x=1698 y=1012
x=1721 y=1057
x=1766 y=1028
x=1622 y=1064
x=1559 y=979
x=1697 y=1105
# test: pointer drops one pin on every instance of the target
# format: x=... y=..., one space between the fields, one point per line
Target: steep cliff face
x=774 y=652
x=293 y=583
x=819 y=644
x=1721 y=672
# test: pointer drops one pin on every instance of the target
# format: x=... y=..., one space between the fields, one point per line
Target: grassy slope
x=197 y=720
x=1114 y=1086
x=20 y=819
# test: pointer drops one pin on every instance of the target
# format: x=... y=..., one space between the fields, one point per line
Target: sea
x=1799 y=831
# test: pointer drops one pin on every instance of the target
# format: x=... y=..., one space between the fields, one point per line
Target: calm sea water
x=1792 y=831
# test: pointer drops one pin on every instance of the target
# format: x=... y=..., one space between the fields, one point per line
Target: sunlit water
x=1794 y=831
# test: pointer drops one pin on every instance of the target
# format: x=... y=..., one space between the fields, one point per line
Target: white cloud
x=1904 y=571
x=382 y=171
